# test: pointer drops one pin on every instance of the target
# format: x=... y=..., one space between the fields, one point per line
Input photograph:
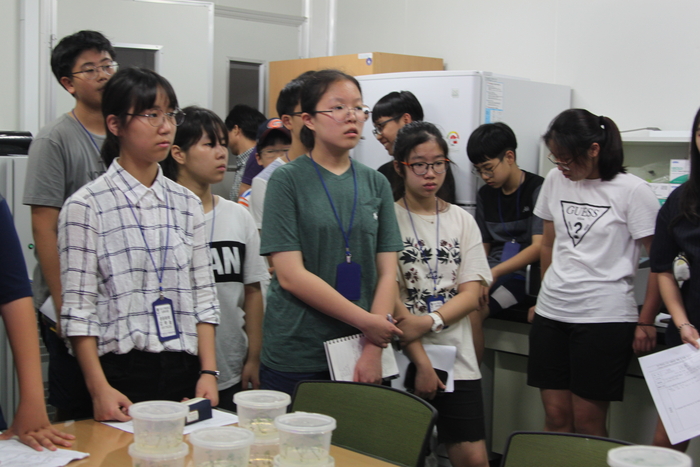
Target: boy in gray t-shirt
x=63 y=157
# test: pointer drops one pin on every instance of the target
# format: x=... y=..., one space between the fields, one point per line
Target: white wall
x=9 y=57
x=634 y=61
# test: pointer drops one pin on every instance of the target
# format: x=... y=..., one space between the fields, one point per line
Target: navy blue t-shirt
x=14 y=280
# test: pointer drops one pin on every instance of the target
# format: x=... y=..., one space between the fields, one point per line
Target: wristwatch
x=214 y=373
x=438 y=323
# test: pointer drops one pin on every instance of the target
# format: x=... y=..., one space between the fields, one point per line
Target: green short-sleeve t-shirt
x=298 y=217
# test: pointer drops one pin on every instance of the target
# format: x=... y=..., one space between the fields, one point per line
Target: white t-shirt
x=461 y=258
x=595 y=257
x=259 y=188
x=236 y=261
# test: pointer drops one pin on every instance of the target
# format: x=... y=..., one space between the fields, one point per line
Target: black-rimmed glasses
x=157 y=117
x=421 y=168
x=91 y=72
x=379 y=126
x=488 y=173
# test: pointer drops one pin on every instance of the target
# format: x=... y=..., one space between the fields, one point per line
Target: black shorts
x=588 y=359
x=460 y=413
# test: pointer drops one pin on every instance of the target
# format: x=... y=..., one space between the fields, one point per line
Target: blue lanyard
x=433 y=274
x=167 y=235
x=517 y=207
x=94 y=143
x=346 y=236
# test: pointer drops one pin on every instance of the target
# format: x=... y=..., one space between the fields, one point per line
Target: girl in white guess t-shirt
x=596 y=218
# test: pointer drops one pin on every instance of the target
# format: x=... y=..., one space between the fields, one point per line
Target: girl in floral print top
x=441 y=270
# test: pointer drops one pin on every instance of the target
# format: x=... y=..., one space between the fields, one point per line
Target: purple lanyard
x=167 y=235
x=433 y=274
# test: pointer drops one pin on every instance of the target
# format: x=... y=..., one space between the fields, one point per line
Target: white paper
x=48 y=310
x=673 y=377
x=15 y=454
x=441 y=356
x=218 y=418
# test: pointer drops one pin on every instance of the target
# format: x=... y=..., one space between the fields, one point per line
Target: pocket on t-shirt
x=368 y=215
x=182 y=251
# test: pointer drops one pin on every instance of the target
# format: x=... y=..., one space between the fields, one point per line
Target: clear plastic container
x=158 y=425
x=647 y=456
x=305 y=438
x=174 y=458
x=257 y=410
x=278 y=462
x=226 y=446
x=263 y=452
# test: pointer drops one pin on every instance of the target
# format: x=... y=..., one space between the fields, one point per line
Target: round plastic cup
x=278 y=462
x=305 y=438
x=226 y=446
x=158 y=425
x=257 y=410
x=175 y=458
x=647 y=456
x=263 y=452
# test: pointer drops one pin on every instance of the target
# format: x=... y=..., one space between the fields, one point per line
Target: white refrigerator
x=458 y=102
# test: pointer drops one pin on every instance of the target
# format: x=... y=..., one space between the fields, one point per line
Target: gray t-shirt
x=62 y=158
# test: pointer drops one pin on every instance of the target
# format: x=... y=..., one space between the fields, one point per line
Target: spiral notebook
x=343 y=353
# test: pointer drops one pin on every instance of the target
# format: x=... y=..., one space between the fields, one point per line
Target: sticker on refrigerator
x=453 y=138
x=493 y=116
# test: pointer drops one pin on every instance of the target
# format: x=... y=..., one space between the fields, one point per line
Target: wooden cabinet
x=282 y=72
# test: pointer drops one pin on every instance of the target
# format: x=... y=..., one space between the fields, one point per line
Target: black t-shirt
x=14 y=280
x=513 y=220
x=672 y=236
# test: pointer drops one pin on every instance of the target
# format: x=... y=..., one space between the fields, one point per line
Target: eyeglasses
x=561 y=165
x=488 y=173
x=91 y=71
x=379 y=126
x=157 y=117
x=421 y=168
x=275 y=152
x=340 y=113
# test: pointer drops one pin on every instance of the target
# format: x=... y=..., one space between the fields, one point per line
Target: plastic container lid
x=302 y=423
x=158 y=410
x=226 y=437
x=178 y=453
x=647 y=456
x=262 y=399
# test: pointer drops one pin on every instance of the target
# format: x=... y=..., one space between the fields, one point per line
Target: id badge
x=510 y=249
x=165 y=319
x=434 y=303
x=348 y=280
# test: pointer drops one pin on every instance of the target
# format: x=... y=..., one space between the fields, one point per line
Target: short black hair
x=290 y=95
x=198 y=122
x=131 y=90
x=395 y=104
x=490 y=141
x=246 y=118
x=64 y=55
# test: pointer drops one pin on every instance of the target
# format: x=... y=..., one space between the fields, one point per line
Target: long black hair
x=410 y=136
x=574 y=131
x=691 y=189
x=131 y=90
x=313 y=89
x=198 y=122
